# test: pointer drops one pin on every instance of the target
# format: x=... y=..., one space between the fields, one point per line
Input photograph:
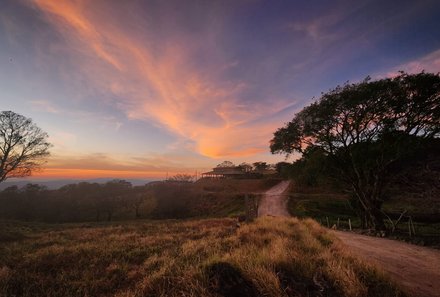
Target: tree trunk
x=377 y=219
x=369 y=212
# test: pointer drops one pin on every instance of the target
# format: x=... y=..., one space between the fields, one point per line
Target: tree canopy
x=23 y=146
x=182 y=177
x=259 y=166
x=364 y=128
x=226 y=164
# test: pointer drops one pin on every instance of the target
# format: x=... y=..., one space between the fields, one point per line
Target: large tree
x=23 y=146
x=365 y=129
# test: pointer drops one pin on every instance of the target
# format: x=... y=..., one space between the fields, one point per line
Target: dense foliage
x=74 y=202
x=365 y=130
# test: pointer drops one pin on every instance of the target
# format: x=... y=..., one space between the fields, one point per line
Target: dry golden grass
x=269 y=257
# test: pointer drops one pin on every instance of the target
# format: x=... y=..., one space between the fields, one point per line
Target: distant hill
x=54 y=184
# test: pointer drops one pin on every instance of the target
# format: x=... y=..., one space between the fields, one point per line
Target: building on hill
x=225 y=172
x=236 y=172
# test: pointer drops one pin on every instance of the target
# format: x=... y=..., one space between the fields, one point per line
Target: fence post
x=256 y=198
x=413 y=228
x=349 y=224
x=246 y=203
x=251 y=207
x=328 y=223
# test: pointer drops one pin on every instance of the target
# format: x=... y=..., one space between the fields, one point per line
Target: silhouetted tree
x=246 y=167
x=113 y=194
x=32 y=196
x=23 y=146
x=9 y=200
x=226 y=164
x=260 y=166
x=182 y=178
x=366 y=128
x=84 y=200
x=137 y=198
x=282 y=168
x=312 y=168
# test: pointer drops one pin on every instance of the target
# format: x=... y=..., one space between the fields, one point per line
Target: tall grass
x=214 y=257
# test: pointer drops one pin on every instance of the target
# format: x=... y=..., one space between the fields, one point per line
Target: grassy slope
x=320 y=205
x=270 y=257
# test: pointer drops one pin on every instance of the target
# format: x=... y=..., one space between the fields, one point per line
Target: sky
x=142 y=89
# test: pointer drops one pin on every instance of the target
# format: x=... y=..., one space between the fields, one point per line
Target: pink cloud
x=164 y=86
x=428 y=63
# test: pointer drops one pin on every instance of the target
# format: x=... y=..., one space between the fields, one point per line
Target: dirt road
x=415 y=268
x=274 y=203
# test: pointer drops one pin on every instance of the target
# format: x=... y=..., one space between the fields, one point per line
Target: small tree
x=365 y=129
x=138 y=197
x=246 y=167
x=260 y=166
x=226 y=164
x=113 y=194
x=187 y=178
x=23 y=146
x=282 y=168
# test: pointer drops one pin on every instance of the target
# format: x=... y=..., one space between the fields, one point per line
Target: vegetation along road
x=415 y=268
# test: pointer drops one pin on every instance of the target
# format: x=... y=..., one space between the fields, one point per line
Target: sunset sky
x=136 y=89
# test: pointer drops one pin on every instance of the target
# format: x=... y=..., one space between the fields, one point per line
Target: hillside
x=214 y=257
x=119 y=200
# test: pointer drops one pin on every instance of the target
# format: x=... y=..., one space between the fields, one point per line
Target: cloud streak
x=427 y=63
x=195 y=82
x=157 y=80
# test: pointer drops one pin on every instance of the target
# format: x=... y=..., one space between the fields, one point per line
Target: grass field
x=211 y=257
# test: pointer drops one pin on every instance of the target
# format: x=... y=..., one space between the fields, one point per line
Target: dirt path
x=274 y=203
x=415 y=268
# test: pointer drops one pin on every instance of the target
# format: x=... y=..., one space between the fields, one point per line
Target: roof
x=230 y=172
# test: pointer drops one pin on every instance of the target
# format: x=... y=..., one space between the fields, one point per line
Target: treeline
x=74 y=202
x=418 y=173
x=81 y=202
x=414 y=178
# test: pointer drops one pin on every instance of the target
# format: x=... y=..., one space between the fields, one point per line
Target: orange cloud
x=158 y=81
x=102 y=165
x=71 y=168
